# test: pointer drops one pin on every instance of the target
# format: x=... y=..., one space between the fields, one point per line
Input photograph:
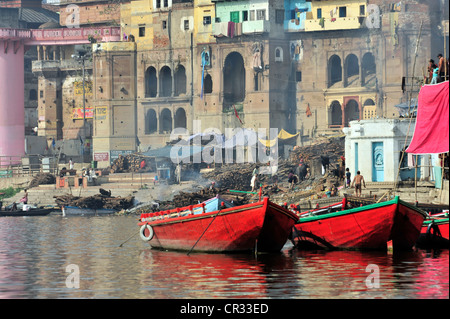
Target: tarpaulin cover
x=432 y=122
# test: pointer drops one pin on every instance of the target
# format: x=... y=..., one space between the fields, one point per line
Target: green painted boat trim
x=394 y=201
x=437 y=221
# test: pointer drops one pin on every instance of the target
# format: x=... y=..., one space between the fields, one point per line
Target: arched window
x=334 y=70
x=151 y=82
x=369 y=109
x=336 y=113
x=165 y=81
x=369 y=69
x=278 y=54
x=151 y=122
x=233 y=79
x=351 y=69
x=207 y=84
x=351 y=111
x=180 y=80
x=180 y=118
x=165 y=121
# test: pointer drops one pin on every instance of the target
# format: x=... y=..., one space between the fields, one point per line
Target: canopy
x=283 y=135
x=431 y=135
x=170 y=151
x=405 y=109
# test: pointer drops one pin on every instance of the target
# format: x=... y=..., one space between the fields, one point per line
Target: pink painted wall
x=12 y=111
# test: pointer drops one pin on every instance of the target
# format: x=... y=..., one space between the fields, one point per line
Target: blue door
x=377 y=162
x=356 y=158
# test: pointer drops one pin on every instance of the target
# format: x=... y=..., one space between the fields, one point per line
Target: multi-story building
x=304 y=66
x=65 y=110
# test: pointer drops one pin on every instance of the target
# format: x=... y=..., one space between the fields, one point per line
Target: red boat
x=434 y=232
x=365 y=227
x=262 y=226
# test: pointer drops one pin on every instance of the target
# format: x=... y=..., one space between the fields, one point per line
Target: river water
x=81 y=257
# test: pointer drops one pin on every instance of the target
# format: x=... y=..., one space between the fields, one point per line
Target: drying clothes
x=230 y=29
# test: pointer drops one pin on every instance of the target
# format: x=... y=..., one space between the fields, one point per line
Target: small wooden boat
x=262 y=226
x=78 y=211
x=30 y=212
x=435 y=232
x=364 y=227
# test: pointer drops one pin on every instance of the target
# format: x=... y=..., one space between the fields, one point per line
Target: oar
x=203 y=232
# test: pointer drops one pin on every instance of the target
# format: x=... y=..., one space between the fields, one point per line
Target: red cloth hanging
x=431 y=135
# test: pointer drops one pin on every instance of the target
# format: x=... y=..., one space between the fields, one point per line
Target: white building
x=374 y=148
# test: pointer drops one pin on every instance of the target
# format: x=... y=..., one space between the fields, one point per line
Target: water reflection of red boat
x=261 y=226
x=365 y=227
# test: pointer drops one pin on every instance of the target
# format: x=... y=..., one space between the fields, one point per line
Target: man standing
x=358 y=181
x=442 y=68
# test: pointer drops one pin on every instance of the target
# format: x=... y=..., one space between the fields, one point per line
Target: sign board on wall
x=101 y=156
x=77 y=113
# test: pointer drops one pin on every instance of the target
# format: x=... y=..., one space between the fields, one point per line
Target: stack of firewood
x=42 y=179
x=95 y=202
x=128 y=163
x=333 y=148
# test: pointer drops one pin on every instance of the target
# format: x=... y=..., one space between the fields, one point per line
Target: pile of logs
x=334 y=148
x=42 y=179
x=102 y=200
x=128 y=163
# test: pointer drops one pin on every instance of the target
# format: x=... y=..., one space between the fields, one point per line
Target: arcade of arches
x=351 y=72
x=351 y=109
x=164 y=123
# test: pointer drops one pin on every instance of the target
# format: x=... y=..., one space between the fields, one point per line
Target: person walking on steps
x=358 y=181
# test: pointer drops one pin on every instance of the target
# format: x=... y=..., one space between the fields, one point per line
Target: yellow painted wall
x=138 y=14
x=202 y=32
x=330 y=9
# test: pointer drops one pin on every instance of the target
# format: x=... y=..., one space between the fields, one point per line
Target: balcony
x=329 y=24
x=223 y=29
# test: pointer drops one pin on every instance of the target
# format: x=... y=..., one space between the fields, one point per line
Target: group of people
x=438 y=72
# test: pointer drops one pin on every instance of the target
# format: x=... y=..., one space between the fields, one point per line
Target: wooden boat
x=435 y=232
x=31 y=212
x=78 y=211
x=364 y=227
x=262 y=226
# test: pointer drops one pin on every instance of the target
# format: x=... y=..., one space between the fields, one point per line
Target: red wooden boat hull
x=366 y=227
x=263 y=226
x=434 y=233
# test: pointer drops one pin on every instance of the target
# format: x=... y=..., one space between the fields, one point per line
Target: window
x=362 y=10
x=279 y=16
x=244 y=15
x=32 y=95
x=298 y=76
x=252 y=15
x=142 y=31
x=261 y=14
x=158 y=4
x=319 y=13
x=41 y=94
x=278 y=54
x=206 y=20
x=186 y=24
x=164 y=24
x=234 y=16
x=166 y=3
x=342 y=12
